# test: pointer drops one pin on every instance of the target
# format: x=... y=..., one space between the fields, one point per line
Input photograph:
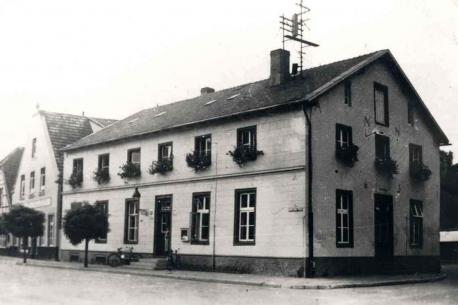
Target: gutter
x=309 y=259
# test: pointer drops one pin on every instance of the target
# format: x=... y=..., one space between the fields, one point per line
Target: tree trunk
x=24 y=249
x=86 y=246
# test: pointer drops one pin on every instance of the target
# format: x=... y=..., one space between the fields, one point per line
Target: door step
x=148 y=264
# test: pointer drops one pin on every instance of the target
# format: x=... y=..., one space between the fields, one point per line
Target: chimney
x=279 y=67
x=206 y=90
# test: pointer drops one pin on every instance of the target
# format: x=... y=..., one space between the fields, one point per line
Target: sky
x=113 y=58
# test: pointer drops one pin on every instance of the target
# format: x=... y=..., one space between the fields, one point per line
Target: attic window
x=159 y=114
x=210 y=102
x=133 y=120
x=233 y=96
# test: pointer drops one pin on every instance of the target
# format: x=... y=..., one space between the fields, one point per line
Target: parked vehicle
x=124 y=256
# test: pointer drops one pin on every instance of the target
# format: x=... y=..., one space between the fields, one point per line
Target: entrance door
x=383 y=226
x=163 y=225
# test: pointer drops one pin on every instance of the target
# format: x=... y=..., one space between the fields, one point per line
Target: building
x=8 y=173
x=38 y=183
x=331 y=171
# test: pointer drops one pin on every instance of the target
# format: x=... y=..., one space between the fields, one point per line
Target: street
x=24 y=285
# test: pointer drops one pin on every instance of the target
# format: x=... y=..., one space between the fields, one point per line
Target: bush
x=243 y=154
x=129 y=170
x=75 y=179
x=161 y=166
x=419 y=171
x=348 y=155
x=199 y=161
x=387 y=166
x=102 y=175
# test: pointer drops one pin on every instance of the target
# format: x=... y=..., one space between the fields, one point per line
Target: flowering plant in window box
x=348 y=155
x=101 y=175
x=244 y=153
x=198 y=160
x=419 y=171
x=129 y=170
x=387 y=166
x=75 y=180
x=161 y=166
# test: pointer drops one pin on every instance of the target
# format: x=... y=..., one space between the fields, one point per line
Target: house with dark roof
x=8 y=173
x=38 y=182
x=333 y=170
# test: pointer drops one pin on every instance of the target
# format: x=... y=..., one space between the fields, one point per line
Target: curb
x=433 y=278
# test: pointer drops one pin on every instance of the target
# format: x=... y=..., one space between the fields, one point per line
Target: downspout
x=309 y=261
x=214 y=211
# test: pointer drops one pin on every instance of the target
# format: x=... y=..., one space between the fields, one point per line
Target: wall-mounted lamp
x=136 y=194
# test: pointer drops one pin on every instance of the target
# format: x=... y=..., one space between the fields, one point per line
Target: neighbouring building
x=39 y=181
x=334 y=170
x=8 y=173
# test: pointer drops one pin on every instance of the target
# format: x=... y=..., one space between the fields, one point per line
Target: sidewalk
x=250 y=279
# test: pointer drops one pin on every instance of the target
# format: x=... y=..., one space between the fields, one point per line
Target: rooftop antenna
x=293 y=30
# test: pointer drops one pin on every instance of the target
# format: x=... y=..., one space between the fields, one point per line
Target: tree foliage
x=24 y=222
x=85 y=222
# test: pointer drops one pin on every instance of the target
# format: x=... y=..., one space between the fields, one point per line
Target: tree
x=24 y=222
x=83 y=223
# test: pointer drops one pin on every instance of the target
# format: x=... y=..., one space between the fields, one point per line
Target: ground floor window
x=344 y=218
x=103 y=206
x=3 y=240
x=200 y=218
x=131 y=222
x=51 y=225
x=245 y=216
x=416 y=224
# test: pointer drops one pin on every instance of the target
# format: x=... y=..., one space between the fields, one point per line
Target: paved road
x=24 y=285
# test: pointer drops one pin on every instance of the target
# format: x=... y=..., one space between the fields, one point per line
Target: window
x=416 y=224
x=134 y=156
x=245 y=216
x=78 y=167
x=104 y=162
x=102 y=205
x=200 y=218
x=32 y=183
x=165 y=152
x=51 y=225
x=34 y=147
x=42 y=179
x=344 y=218
x=382 y=147
x=247 y=137
x=203 y=145
x=1 y=197
x=381 y=104
x=22 y=187
x=410 y=114
x=347 y=92
x=415 y=154
x=131 y=222
x=343 y=136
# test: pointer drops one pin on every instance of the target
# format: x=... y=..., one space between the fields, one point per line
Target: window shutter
x=337 y=217
x=126 y=215
x=350 y=216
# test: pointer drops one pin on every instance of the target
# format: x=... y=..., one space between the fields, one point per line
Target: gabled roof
x=243 y=99
x=65 y=129
x=10 y=166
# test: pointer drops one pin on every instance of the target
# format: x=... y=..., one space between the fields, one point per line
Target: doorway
x=383 y=223
x=162 y=225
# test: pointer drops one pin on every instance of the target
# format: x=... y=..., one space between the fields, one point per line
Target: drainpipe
x=309 y=262
x=214 y=209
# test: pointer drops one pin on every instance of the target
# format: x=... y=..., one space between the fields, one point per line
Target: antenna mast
x=293 y=30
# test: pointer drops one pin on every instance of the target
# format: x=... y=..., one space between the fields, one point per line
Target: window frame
x=104 y=204
x=197 y=145
x=129 y=155
x=414 y=221
x=42 y=178
x=34 y=147
x=347 y=93
x=78 y=169
x=237 y=211
x=127 y=216
x=160 y=157
x=413 y=150
x=100 y=164
x=384 y=89
x=22 y=187
x=195 y=211
x=386 y=147
x=340 y=129
x=340 y=243
x=50 y=230
x=32 y=183
x=253 y=140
